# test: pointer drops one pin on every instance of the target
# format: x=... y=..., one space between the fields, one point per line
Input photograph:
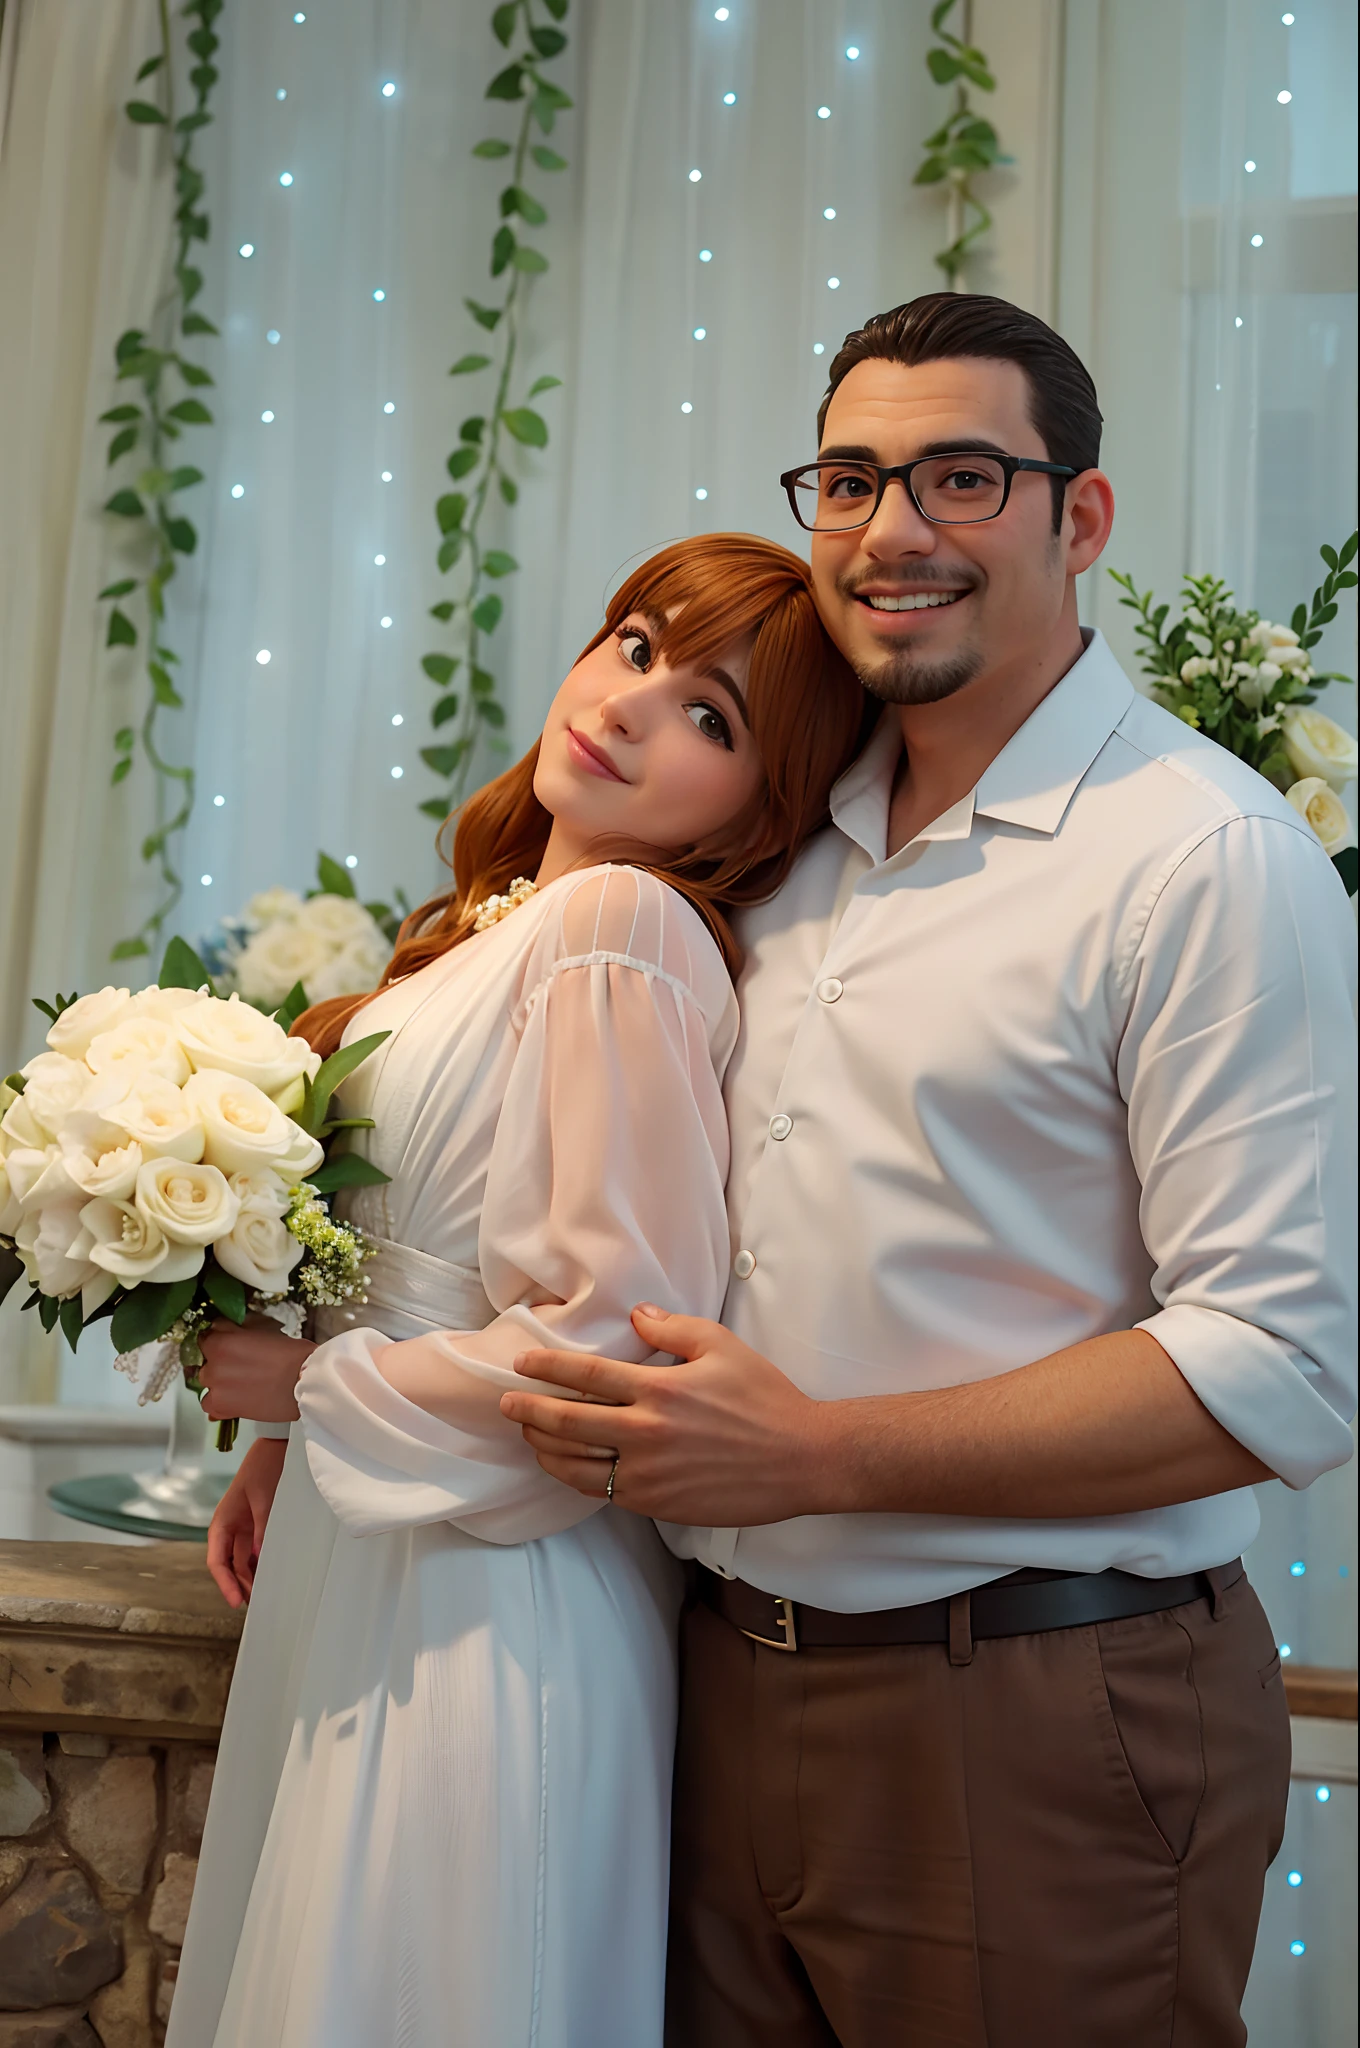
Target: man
x=1041 y=1201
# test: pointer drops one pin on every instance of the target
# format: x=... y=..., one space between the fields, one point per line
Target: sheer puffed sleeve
x=604 y=1188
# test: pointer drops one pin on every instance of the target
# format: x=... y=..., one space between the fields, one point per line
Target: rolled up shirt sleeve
x=1238 y=1066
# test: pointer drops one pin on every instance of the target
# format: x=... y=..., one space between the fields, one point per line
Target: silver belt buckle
x=783 y=1619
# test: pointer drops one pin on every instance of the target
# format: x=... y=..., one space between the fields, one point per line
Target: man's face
x=1003 y=580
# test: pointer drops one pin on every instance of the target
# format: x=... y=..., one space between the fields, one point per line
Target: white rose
x=189 y=1204
x=338 y=918
x=1322 y=807
x=129 y=1245
x=235 y=1039
x=1317 y=745
x=38 y=1176
x=56 y=1086
x=165 y=1002
x=261 y=1250
x=22 y=1129
x=277 y=957
x=56 y=1248
x=264 y=1192
x=92 y=1014
x=353 y=971
x=10 y=1207
x=157 y=1117
x=138 y=1046
x=244 y=1131
x=303 y=1156
x=99 y=1157
x=272 y=904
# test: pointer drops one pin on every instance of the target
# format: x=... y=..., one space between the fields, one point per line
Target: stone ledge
x=156 y=1589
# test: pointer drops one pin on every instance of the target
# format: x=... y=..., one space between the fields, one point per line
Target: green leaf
x=490 y=710
x=121 y=412
x=128 y=343
x=444 y=710
x=493 y=146
x=190 y=282
x=202 y=42
x=465 y=364
x=497 y=563
x=444 y=760
x=190 y=122
x=334 y=879
x=527 y=426
x=1300 y=618
x=472 y=429
x=449 y=511
x=72 y=1321
x=151 y=64
x=483 y=683
x=203 y=78
x=292 y=1007
x=462 y=460
x=514 y=199
x=146 y=1314
x=226 y=1293
x=434 y=807
x=122 y=632
x=550 y=100
x=1329 y=556
x=144 y=113
x=123 y=739
x=347 y=1170
x=547 y=159
x=547 y=41
x=543 y=384
x=1347 y=865
x=129 y=949
x=940 y=13
x=182 y=968
x=1347 y=580
x=331 y=1073
x=486 y=615
x=1349 y=548
x=529 y=260
x=121 y=770
x=192 y=411
x=507 y=84
x=449 y=551
x=126 y=504
x=439 y=667
x=503 y=22
x=442 y=610
x=502 y=249
x=193 y=373
x=182 y=535
x=509 y=489
x=195 y=323
x=11 y=1269
x=49 y=1308
x=485 y=316
x=557 y=9
x=145 y=363
x=182 y=479
x=931 y=171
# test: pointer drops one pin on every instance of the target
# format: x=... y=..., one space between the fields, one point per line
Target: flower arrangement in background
x=164 y=1162
x=1250 y=684
x=328 y=941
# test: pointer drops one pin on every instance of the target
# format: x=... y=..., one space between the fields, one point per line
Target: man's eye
x=851 y=486
x=966 y=480
x=710 y=723
x=636 y=650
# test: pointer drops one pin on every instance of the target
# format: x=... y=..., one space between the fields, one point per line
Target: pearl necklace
x=496 y=907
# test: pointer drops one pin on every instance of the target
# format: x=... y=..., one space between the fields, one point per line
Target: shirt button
x=780 y=1126
x=744 y=1265
x=830 y=991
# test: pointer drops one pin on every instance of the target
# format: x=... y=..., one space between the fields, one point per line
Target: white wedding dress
x=441 y=1810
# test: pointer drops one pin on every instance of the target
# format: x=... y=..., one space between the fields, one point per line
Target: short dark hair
x=1062 y=397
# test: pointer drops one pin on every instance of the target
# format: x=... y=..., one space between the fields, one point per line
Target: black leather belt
x=1023 y=1604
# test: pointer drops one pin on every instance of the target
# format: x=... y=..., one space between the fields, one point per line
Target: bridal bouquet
x=164 y=1162
x=1249 y=684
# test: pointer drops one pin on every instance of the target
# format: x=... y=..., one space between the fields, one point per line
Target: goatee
x=904 y=678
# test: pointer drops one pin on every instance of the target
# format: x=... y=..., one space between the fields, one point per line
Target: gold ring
x=613 y=1474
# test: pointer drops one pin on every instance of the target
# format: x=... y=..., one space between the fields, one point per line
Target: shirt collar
x=1032 y=780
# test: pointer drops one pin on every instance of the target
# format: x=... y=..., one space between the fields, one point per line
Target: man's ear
x=1087 y=519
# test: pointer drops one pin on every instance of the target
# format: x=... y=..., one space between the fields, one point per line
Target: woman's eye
x=636 y=650
x=710 y=723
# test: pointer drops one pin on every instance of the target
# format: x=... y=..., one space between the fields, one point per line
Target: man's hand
x=237 y=1529
x=721 y=1439
x=250 y=1370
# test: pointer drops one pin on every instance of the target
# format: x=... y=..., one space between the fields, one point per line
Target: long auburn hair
x=808 y=716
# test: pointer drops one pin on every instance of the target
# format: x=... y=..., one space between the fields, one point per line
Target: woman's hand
x=250 y=1370
x=237 y=1529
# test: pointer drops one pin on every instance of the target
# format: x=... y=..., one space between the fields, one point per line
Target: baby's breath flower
x=332 y=1272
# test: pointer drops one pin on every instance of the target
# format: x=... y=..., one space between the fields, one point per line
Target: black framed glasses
x=957 y=488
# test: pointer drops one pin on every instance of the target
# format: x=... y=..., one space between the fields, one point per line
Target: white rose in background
x=352 y=971
x=138 y=1046
x=331 y=944
x=190 y=1205
x=1314 y=800
x=338 y=919
x=272 y=904
x=244 y=1132
x=128 y=1245
x=156 y=1116
x=83 y=1020
x=279 y=956
x=237 y=1039
x=261 y=1251
x=1317 y=745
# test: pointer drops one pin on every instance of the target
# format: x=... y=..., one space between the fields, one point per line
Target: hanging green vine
x=964 y=145
x=475 y=712
x=155 y=531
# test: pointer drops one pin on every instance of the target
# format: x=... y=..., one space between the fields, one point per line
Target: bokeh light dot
x=819 y=348
x=389 y=407
x=267 y=417
x=238 y=490
x=700 y=333
x=852 y=52
x=705 y=255
x=378 y=561
x=720 y=14
x=379 y=296
x=1297 y=1569
x=695 y=175
x=1295 y=1878
x=218 y=802
x=206 y=880
x=351 y=860
x=1284 y=98
x=1323 y=1794
x=397 y=718
x=701 y=494
x=828 y=213
x=1298 y=1948
x=273 y=337
x=729 y=99
x=246 y=249
x=282 y=93
x=384 y=621
x=1257 y=241
x=1250 y=164
x=397 y=774
x=264 y=657
x=833 y=284
x=686 y=406
x=285 y=177
x=388 y=89
x=386 y=476
x=823 y=113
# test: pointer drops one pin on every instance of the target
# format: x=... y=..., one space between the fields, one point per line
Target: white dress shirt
x=1080 y=1057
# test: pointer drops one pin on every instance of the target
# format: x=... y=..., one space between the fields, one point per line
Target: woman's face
x=631 y=746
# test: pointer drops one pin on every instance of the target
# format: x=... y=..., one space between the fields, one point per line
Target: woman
x=441 y=1805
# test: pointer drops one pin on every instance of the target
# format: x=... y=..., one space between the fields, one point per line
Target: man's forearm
x=1108 y=1427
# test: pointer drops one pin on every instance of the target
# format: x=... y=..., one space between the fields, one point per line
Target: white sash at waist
x=410 y=1293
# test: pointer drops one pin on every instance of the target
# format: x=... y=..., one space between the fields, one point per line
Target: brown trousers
x=1059 y=1844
